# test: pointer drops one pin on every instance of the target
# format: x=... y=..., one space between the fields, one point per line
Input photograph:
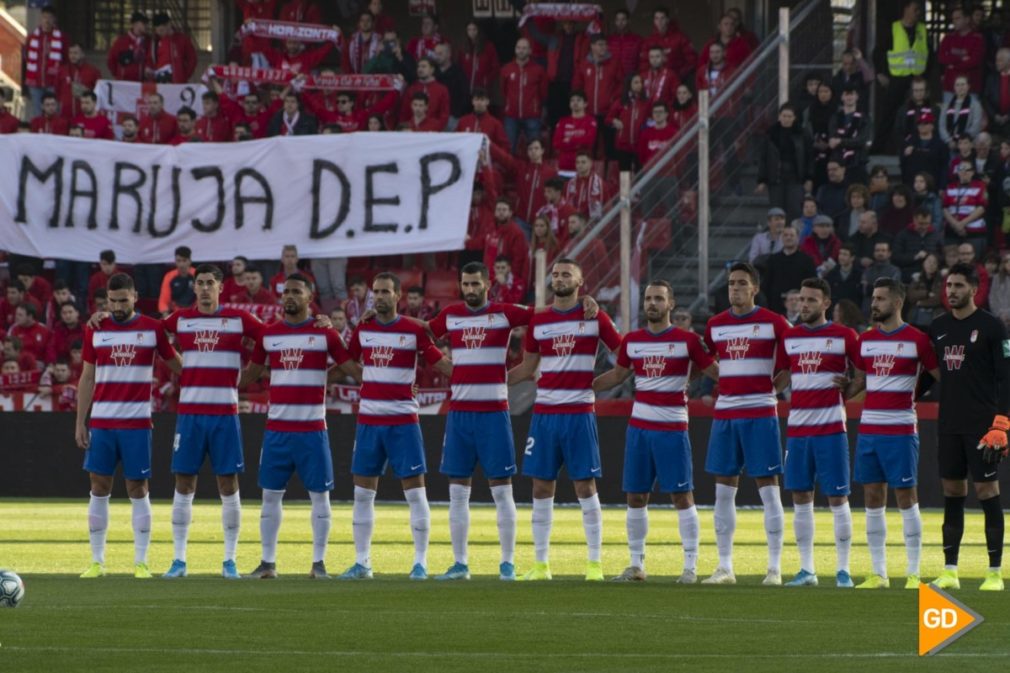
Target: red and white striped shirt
x=123 y=356
x=211 y=346
x=749 y=349
x=960 y=200
x=479 y=340
x=388 y=355
x=891 y=361
x=567 y=344
x=816 y=356
x=297 y=357
x=662 y=364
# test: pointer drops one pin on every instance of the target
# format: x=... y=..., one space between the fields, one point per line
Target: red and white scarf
x=287 y=30
x=43 y=49
x=351 y=82
x=561 y=11
x=363 y=50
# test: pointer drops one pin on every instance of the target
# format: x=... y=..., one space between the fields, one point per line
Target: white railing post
x=540 y=275
x=783 y=55
x=626 y=251
x=703 y=196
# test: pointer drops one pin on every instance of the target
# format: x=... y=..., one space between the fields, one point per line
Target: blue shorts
x=657 y=455
x=753 y=443
x=308 y=453
x=197 y=435
x=478 y=436
x=110 y=447
x=562 y=439
x=379 y=446
x=825 y=457
x=890 y=458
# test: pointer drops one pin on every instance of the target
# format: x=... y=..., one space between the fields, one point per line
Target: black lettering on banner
x=372 y=200
x=82 y=168
x=428 y=189
x=216 y=173
x=318 y=167
x=131 y=189
x=266 y=198
x=56 y=172
x=152 y=224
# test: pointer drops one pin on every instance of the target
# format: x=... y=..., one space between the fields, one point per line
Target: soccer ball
x=12 y=589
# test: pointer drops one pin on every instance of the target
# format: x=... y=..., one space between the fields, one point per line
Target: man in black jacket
x=291 y=120
x=925 y=152
x=785 y=163
x=787 y=270
x=865 y=240
x=452 y=76
x=846 y=279
x=912 y=245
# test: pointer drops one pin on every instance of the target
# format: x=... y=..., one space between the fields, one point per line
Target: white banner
x=116 y=98
x=352 y=195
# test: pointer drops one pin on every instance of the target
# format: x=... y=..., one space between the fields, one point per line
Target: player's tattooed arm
x=610 y=379
x=525 y=369
x=590 y=307
x=85 y=391
x=251 y=374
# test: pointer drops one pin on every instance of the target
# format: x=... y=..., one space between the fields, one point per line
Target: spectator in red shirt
x=174 y=54
x=421 y=119
x=186 y=120
x=524 y=88
x=338 y=317
x=482 y=121
x=962 y=52
x=506 y=239
x=361 y=300
x=8 y=122
x=508 y=288
x=13 y=351
x=128 y=56
x=35 y=285
x=76 y=76
x=654 y=139
x=158 y=127
x=95 y=124
x=734 y=45
x=59 y=382
x=66 y=331
x=542 y=239
x=251 y=112
x=384 y=23
x=592 y=259
x=255 y=292
x=574 y=133
x=680 y=54
x=300 y=11
x=423 y=46
x=99 y=279
x=623 y=44
x=416 y=306
x=131 y=129
x=61 y=295
x=555 y=209
x=479 y=59
x=627 y=116
x=233 y=291
x=479 y=223
x=437 y=93
x=660 y=82
x=297 y=57
x=289 y=265
x=44 y=51
x=16 y=295
x=253 y=47
x=213 y=127
x=33 y=334
x=599 y=77
x=586 y=192
x=50 y=122
x=714 y=74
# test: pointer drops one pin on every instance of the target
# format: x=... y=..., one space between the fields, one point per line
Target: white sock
x=362 y=524
x=505 y=506
x=876 y=538
x=182 y=516
x=420 y=522
x=637 y=522
x=459 y=520
x=543 y=516
x=725 y=523
x=231 y=522
x=98 y=526
x=141 y=527
x=911 y=523
x=592 y=523
x=843 y=533
x=803 y=526
x=775 y=518
x=321 y=519
x=271 y=514
x=690 y=528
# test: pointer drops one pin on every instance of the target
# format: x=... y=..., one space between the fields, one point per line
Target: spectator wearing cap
x=823 y=245
x=914 y=243
x=785 y=163
x=769 y=241
x=996 y=97
x=925 y=153
x=175 y=57
x=129 y=55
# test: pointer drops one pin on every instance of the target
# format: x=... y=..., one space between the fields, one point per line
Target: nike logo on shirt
x=940 y=337
x=990 y=474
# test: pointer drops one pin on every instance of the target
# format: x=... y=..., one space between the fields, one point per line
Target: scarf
x=286 y=30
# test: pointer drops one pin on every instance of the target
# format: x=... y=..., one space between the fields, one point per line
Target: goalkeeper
x=974 y=353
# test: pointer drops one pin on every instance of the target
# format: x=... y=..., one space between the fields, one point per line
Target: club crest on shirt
x=653 y=366
x=737 y=347
x=810 y=362
x=292 y=358
x=123 y=354
x=564 y=344
x=883 y=364
x=473 y=337
x=206 y=340
x=974 y=336
x=953 y=356
x=382 y=355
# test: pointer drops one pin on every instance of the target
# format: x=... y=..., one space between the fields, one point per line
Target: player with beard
x=118 y=360
x=819 y=353
x=891 y=357
x=972 y=344
x=657 y=444
x=296 y=350
x=562 y=341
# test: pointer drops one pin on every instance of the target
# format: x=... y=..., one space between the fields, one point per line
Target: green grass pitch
x=205 y=623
